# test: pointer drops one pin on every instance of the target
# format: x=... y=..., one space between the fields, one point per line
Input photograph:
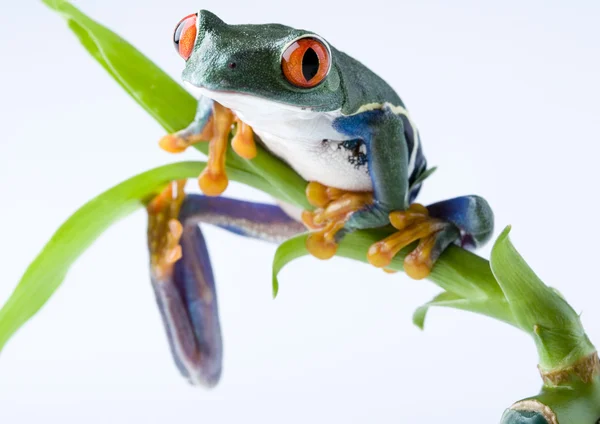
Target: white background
x=506 y=98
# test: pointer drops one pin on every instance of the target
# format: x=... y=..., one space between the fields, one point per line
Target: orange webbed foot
x=213 y=180
x=164 y=229
x=334 y=207
x=414 y=224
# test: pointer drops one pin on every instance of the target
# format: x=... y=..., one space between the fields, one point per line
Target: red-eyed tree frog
x=331 y=119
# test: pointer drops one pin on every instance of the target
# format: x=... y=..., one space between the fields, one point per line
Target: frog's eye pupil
x=184 y=36
x=310 y=64
x=306 y=62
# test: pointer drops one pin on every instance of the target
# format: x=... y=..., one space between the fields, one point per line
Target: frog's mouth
x=244 y=102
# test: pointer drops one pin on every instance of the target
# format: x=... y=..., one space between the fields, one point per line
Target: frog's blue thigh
x=472 y=215
x=188 y=299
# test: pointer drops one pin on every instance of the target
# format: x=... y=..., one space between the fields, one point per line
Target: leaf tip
x=54 y=4
x=500 y=242
x=505 y=233
x=275 y=285
x=419 y=316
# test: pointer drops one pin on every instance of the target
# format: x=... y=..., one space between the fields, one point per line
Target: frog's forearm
x=198 y=130
x=383 y=133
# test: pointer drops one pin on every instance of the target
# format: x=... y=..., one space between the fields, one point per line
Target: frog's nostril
x=232 y=65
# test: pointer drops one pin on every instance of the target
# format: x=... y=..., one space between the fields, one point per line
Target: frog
x=335 y=122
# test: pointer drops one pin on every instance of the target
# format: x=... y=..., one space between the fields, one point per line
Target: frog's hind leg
x=182 y=275
x=472 y=215
x=467 y=221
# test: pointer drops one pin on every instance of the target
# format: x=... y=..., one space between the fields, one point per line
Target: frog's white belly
x=303 y=138
x=316 y=160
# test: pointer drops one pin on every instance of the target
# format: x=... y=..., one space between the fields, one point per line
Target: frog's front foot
x=334 y=208
x=216 y=130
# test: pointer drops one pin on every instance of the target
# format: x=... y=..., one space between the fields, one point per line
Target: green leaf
x=47 y=271
x=166 y=100
x=163 y=98
x=423 y=176
x=492 y=307
x=286 y=252
x=538 y=309
x=421 y=312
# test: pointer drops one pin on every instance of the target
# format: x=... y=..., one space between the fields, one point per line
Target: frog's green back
x=361 y=86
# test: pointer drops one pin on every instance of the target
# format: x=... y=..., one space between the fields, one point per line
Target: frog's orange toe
x=316 y=194
x=334 y=207
x=417 y=269
x=321 y=248
x=379 y=255
x=172 y=143
x=243 y=141
x=414 y=224
x=212 y=183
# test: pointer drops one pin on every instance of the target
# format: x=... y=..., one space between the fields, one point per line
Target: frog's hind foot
x=467 y=221
x=165 y=229
x=334 y=208
x=214 y=127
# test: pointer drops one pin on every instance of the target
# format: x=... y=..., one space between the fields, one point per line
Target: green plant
x=505 y=288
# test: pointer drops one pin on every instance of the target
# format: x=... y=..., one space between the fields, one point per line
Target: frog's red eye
x=185 y=36
x=306 y=62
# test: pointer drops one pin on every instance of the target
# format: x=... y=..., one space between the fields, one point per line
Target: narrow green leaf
x=538 y=309
x=421 y=312
x=47 y=271
x=424 y=176
x=286 y=252
x=492 y=307
x=163 y=98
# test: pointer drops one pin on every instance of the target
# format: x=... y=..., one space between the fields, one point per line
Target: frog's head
x=271 y=62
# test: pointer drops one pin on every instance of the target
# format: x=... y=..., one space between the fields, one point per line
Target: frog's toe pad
x=414 y=224
x=173 y=143
x=320 y=247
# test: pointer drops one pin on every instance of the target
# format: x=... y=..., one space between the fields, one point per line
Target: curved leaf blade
x=493 y=307
x=47 y=271
x=538 y=309
x=287 y=251
x=161 y=96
